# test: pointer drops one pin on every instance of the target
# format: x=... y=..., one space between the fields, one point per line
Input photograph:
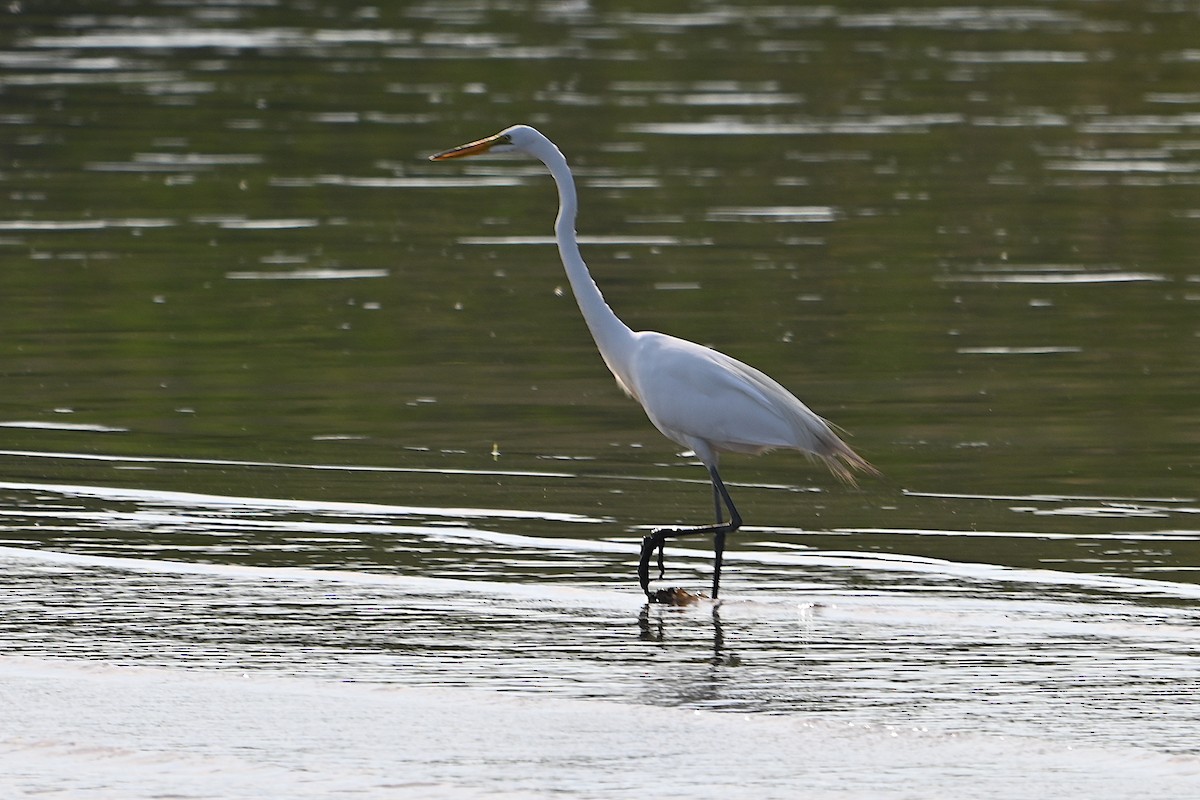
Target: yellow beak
x=469 y=149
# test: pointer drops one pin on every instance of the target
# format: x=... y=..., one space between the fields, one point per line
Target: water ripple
x=1040 y=277
x=307 y=275
x=737 y=126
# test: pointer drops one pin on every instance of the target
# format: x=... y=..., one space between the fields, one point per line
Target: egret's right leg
x=735 y=522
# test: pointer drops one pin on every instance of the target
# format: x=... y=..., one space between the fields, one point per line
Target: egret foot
x=651 y=543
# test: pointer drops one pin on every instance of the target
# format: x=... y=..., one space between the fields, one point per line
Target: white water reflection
x=998 y=350
x=781 y=214
x=1018 y=57
x=172 y=162
x=62 y=426
x=878 y=125
x=1056 y=275
x=307 y=274
x=45 y=225
x=402 y=182
x=974 y=18
x=119 y=459
x=62 y=511
x=275 y=505
x=174 y=39
x=234 y=224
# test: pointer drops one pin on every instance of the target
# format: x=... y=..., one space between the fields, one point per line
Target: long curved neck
x=613 y=337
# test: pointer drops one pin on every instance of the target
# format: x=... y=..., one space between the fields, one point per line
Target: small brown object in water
x=675 y=596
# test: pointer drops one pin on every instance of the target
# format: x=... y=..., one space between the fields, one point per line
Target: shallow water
x=282 y=398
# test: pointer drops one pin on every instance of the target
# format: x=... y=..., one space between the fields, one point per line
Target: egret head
x=518 y=138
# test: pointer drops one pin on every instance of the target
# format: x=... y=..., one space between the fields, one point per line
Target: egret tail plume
x=844 y=463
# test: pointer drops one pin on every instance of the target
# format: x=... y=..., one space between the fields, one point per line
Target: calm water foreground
x=311 y=483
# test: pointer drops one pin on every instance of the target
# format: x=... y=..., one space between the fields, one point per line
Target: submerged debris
x=676 y=596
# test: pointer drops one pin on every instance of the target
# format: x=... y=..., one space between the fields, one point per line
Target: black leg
x=718 y=554
x=718 y=540
x=658 y=537
x=735 y=522
x=648 y=545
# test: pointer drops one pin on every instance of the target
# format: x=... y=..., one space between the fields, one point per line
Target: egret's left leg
x=718 y=538
x=735 y=521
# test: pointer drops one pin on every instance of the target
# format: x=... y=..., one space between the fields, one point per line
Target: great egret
x=699 y=398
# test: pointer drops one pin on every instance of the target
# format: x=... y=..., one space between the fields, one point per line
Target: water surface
x=284 y=399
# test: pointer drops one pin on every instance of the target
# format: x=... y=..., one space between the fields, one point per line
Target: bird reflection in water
x=652 y=627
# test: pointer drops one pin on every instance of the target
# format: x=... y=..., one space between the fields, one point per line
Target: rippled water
x=281 y=397
x=901 y=639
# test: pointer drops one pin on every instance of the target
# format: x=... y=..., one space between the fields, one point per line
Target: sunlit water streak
x=737 y=126
x=1019 y=351
x=62 y=426
x=1047 y=277
x=231 y=519
x=306 y=275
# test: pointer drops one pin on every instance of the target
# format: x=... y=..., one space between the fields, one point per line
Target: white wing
x=706 y=400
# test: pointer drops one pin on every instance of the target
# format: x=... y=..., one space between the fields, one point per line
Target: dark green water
x=965 y=234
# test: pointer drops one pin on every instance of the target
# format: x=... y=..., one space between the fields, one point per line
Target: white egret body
x=697 y=397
